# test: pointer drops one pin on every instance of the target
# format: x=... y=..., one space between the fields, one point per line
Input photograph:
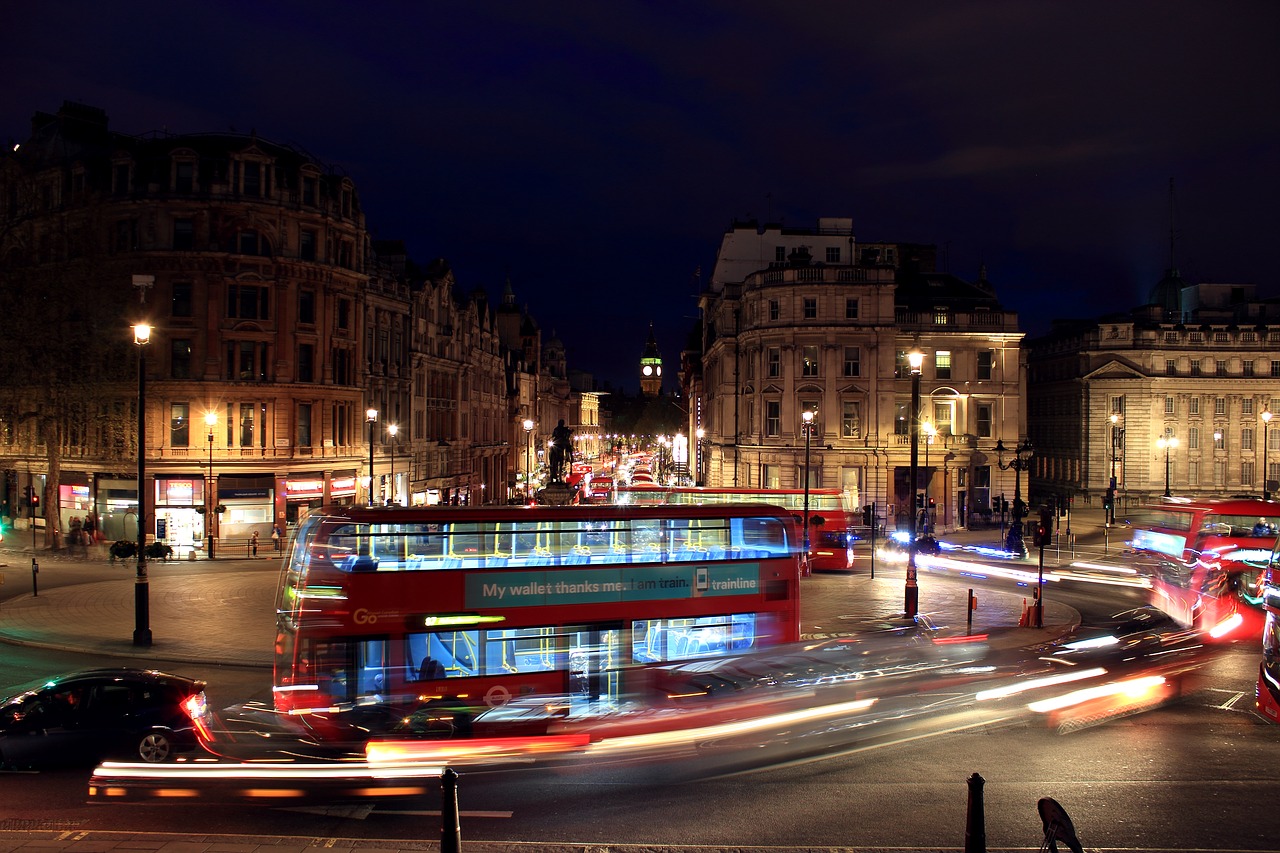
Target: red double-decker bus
x=1267 y=696
x=832 y=521
x=482 y=604
x=1206 y=560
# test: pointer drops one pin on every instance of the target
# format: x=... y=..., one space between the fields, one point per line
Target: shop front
x=305 y=492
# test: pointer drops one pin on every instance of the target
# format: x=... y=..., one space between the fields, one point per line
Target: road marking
x=1228 y=705
x=436 y=813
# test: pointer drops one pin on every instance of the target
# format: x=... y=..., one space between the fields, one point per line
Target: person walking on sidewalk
x=275 y=537
x=253 y=543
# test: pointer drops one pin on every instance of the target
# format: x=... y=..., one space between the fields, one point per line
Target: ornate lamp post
x=807 y=426
x=371 y=417
x=1020 y=462
x=1266 y=422
x=528 y=458
x=1166 y=443
x=912 y=593
x=141 y=586
x=210 y=497
x=392 y=429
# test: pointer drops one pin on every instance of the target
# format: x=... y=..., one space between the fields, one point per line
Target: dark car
x=87 y=717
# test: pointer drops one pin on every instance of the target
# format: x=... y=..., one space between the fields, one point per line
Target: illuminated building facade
x=797 y=320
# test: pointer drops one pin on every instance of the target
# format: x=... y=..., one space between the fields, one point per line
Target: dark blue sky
x=600 y=149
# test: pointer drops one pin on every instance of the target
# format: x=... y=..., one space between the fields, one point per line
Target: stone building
x=1184 y=385
x=797 y=320
x=294 y=362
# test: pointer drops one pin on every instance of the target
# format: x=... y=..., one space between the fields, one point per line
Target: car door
x=47 y=729
x=112 y=719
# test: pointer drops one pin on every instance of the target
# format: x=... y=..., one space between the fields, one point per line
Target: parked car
x=86 y=717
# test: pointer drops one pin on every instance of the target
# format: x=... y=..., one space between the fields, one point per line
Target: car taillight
x=195 y=705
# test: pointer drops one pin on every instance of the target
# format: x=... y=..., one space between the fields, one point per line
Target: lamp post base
x=912 y=604
x=1014 y=544
x=142 y=614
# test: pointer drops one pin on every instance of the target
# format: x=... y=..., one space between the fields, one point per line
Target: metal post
x=141 y=586
x=912 y=591
x=975 y=827
x=450 y=825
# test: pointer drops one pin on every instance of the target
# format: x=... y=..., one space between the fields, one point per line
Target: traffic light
x=1044 y=529
x=1109 y=500
x=868 y=512
x=919 y=500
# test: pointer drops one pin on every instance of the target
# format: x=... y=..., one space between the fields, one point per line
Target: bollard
x=975 y=826
x=973 y=605
x=35 y=570
x=450 y=827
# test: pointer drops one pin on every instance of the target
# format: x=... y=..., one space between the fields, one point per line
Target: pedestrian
x=275 y=537
x=253 y=543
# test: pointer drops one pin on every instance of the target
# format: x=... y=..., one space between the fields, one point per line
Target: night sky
x=600 y=150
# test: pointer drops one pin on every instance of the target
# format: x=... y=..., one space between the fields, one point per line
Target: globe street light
x=1020 y=462
x=1266 y=422
x=371 y=416
x=1167 y=442
x=916 y=360
x=528 y=458
x=210 y=499
x=392 y=429
x=141 y=586
x=807 y=426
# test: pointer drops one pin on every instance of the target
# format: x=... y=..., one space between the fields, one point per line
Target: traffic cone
x=1024 y=620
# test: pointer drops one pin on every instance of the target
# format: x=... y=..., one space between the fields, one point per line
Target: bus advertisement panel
x=833 y=521
x=477 y=605
x=1206 y=560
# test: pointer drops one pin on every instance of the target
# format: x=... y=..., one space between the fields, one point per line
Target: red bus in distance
x=1207 y=559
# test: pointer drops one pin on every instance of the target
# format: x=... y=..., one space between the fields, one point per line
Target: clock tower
x=651 y=368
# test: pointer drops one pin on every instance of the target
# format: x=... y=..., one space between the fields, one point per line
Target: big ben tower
x=651 y=368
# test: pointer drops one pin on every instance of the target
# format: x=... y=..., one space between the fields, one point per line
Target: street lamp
x=697 y=460
x=371 y=417
x=1020 y=462
x=1117 y=438
x=1266 y=422
x=141 y=586
x=528 y=458
x=1166 y=443
x=392 y=429
x=912 y=593
x=210 y=499
x=807 y=426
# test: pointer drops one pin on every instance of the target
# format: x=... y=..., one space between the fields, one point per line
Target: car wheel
x=155 y=747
